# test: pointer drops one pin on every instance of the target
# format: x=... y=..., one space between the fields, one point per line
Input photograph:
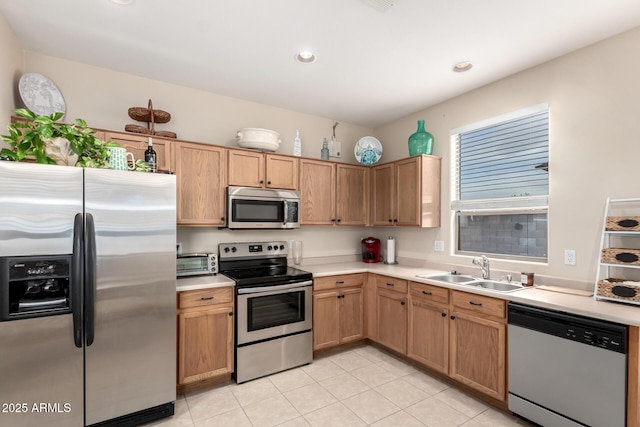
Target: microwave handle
x=286 y=212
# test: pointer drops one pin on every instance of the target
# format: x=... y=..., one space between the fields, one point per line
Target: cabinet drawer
x=340 y=281
x=205 y=297
x=480 y=304
x=429 y=292
x=398 y=285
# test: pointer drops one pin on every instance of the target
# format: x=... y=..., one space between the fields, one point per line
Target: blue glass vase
x=420 y=142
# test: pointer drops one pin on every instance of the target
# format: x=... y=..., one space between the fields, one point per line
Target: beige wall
x=593 y=95
x=10 y=70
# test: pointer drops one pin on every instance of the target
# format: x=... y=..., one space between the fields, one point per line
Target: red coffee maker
x=370 y=249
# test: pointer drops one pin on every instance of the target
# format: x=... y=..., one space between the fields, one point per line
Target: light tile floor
x=358 y=387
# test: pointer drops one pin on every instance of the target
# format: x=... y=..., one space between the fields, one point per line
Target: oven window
x=275 y=310
x=257 y=211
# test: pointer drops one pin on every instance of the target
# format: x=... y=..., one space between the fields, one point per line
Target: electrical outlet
x=438 y=246
x=569 y=257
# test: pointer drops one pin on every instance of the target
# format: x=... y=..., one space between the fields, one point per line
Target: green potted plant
x=46 y=140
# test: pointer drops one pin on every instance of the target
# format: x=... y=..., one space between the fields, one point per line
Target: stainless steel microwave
x=261 y=208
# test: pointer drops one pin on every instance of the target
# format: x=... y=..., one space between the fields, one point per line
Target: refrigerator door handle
x=77 y=279
x=90 y=279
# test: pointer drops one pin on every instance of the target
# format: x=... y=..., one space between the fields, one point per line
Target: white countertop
x=627 y=314
x=203 y=282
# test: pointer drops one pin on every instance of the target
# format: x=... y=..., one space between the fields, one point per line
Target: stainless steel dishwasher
x=566 y=370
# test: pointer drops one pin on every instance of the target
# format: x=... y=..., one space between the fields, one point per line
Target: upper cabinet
x=253 y=169
x=407 y=192
x=333 y=193
x=137 y=145
x=201 y=182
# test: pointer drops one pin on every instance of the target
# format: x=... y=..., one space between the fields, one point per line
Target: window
x=501 y=185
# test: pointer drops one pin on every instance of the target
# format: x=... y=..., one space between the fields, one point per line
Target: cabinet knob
x=339 y=220
x=402 y=302
x=333 y=220
x=222 y=218
x=390 y=220
x=444 y=314
x=395 y=220
x=453 y=317
x=268 y=182
x=261 y=181
x=231 y=313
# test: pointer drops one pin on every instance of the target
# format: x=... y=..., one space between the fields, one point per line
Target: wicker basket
x=621 y=256
x=619 y=289
x=149 y=115
x=623 y=223
x=138 y=129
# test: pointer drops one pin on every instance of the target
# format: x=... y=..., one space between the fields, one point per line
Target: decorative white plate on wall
x=368 y=150
x=40 y=95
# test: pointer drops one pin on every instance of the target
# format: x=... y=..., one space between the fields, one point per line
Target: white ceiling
x=373 y=67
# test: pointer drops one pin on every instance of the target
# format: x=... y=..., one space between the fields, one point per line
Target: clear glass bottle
x=150 y=157
x=297 y=144
x=324 y=152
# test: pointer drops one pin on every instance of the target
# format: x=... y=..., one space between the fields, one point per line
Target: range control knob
x=226 y=250
x=269 y=247
x=234 y=249
x=281 y=247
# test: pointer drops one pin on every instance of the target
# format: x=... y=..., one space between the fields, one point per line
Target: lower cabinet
x=478 y=343
x=205 y=334
x=337 y=310
x=391 y=316
x=428 y=328
x=460 y=334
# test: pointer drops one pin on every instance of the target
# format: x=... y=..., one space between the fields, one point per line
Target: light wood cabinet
x=391 y=316
x=333 y=193
x=407 y=192
x=338 y=307
x=201 y=181
x=428 y=326
x=137 y=145
x=253 y=169
x=205 y=334
x=478 y=343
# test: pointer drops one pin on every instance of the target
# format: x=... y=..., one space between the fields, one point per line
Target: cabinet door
x=282 y=172
x=201 y=181
x=352 y=189
x=428 y=335
x=246 y=168
x=205 y=344
x=382 y=189
x=137 y=145
x=407 y=191
x=317 y=192
x=392 y=320
x=351 y=315
x=478 y=349
x=326 y=319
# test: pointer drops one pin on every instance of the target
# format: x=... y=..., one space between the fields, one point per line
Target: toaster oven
x=196 y=264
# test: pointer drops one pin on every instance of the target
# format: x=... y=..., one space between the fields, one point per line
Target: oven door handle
x=288 y=287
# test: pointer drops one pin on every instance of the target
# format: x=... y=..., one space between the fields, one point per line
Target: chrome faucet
x=483 y=263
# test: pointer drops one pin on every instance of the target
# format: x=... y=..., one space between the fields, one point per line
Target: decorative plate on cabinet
x=368 y=150
x=40 y=95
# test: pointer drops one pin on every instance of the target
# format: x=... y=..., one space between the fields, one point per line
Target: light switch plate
x=335 y=148
x=569 y=257
x=438 y=246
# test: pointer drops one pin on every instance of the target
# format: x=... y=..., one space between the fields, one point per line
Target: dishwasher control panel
x=607 y=335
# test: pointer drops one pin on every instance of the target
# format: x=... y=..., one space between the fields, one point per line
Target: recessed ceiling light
x=305 y=57
x=463 y=66
x=122 y=2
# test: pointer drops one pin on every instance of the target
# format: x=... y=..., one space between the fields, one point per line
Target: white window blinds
x=503 y=165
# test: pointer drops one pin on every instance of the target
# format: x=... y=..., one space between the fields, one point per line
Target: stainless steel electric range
x=274 y=308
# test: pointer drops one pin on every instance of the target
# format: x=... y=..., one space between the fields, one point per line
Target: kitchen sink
x=465 y=280
x=449 y=278
x=495 y=285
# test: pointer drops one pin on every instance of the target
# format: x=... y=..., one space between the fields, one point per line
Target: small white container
x=258 y=139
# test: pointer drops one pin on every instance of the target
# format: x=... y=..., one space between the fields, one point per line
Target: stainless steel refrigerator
x=87 y=296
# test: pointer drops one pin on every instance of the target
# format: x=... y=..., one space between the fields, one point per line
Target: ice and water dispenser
x=34 y=286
